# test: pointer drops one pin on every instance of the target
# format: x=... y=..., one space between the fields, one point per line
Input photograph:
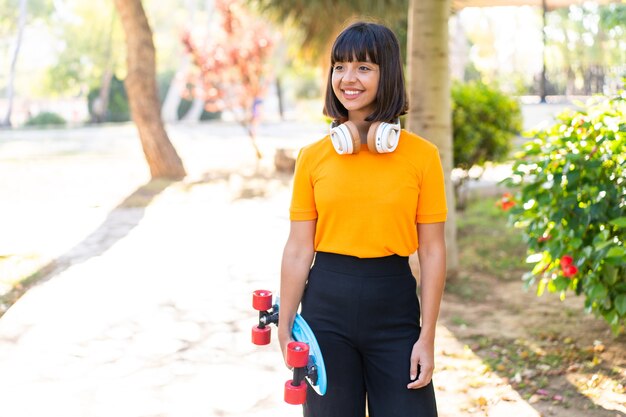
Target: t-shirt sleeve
x=302 y=199
x=431 y=204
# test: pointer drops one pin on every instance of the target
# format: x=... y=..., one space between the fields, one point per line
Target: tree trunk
x=197 y=105
x=101 y=103
x=279 y=96
x=169 y=110
x=18 y=42
x=141 y=87
x=430 y=112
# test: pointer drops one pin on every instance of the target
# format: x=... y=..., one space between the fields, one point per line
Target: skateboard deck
x=304 y=355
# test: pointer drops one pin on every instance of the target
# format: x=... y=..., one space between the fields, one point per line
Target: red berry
x=570 y=270
x=506 y=201
x=566 y=260
x=506 y=205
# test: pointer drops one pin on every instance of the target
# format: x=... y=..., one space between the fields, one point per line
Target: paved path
x=146 y=310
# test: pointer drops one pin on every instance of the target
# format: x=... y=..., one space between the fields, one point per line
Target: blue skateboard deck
x=301 y=332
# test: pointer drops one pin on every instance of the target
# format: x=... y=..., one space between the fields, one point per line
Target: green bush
x=484 y=120
x=571 y=205
x=45 y=118
x=118 y=109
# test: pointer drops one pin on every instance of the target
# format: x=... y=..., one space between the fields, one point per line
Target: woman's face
x=355 y=84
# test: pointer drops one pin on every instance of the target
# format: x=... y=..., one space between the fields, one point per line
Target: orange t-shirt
x=367 y=205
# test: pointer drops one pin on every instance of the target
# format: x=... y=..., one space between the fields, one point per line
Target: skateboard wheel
x=295 y=394
x=297 y=354
x=261 y=336
x=262 y=300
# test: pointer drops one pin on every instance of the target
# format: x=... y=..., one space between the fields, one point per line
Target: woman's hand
x=422 y=359
x=284 y=338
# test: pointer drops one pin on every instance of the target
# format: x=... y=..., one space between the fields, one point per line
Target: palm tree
x=141 y=86
x=320 y=21
x=429 y=95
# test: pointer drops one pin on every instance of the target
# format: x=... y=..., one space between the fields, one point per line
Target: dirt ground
x=561 y=360
x=587 y=375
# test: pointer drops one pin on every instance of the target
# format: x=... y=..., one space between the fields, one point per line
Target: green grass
x=466 y=288
x=488 y=246
x=487 y=243
x=18 y=274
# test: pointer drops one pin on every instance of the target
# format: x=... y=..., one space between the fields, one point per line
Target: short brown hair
x=365 y=41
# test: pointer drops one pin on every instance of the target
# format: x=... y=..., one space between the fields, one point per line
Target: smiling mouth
x=351 y=93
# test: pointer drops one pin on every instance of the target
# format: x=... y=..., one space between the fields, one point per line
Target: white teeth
x=351 y=93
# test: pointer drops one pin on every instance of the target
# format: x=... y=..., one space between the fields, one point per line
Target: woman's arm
x=432 y=258
x=296 y=263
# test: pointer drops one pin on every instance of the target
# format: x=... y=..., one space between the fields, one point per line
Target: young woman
x=364 y=198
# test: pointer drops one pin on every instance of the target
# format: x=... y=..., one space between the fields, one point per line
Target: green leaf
x=620 y=222
x=602 y=245
x=576 y=242
x=541 y=265
x=610 y=317
x=602 y=236
x=616 y=252
x=620 y=304
x=610 y=275
x=598 y=292
x=541 y=287
x=561 y=283
x=551 y=286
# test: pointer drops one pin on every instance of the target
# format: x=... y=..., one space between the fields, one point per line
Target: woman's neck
x=361 y=124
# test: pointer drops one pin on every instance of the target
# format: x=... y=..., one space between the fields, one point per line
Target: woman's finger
x=424 y=377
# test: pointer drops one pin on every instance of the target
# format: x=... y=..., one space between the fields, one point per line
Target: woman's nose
x=349 y=75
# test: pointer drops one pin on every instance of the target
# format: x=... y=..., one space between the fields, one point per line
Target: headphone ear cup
x=345 y=138
x=383 y=137
x=371 y=137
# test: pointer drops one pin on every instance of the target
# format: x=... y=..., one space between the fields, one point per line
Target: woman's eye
x=364 y=68
x=337 y=68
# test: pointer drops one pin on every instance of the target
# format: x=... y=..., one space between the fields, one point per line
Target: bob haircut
x=370 y=42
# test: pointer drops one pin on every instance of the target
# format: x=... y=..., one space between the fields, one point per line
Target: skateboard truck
x=268 y=314
x=303 y=367
x=303 y=354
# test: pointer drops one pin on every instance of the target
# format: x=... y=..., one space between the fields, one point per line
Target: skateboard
x=304 y=355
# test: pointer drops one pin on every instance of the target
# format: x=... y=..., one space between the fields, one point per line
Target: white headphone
x=381 y=137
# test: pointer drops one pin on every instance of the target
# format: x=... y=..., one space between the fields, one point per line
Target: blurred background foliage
x=72 y=48
x=483 y=122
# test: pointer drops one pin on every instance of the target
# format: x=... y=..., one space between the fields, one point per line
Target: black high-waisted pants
x=365 y=315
